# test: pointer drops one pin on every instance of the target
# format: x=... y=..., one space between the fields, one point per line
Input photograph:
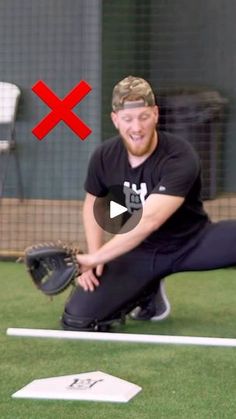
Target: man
x=174 y=233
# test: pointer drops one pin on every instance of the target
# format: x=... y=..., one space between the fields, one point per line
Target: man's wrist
x=94 y=259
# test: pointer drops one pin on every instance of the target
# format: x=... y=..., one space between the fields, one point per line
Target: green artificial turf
x=177 y=381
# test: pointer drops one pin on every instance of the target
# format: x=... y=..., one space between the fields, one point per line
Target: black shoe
x=156 y=307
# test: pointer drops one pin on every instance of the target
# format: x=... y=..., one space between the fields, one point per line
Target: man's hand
x=88 y=280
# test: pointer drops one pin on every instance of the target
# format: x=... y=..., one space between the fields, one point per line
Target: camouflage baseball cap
x=132 y=92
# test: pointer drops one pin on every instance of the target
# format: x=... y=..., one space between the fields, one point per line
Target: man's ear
x=114 y=119
x=156 y=109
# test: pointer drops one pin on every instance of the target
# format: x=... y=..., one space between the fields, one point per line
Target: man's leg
x=124 y=282
x=215 y=249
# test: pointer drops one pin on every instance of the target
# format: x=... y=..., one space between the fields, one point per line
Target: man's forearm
x=155 y=212
x=122 y=243
x=93 y=233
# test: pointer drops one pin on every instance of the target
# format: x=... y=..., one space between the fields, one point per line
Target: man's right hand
x=88 y=280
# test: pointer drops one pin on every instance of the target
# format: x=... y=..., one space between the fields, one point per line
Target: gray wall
x=125 y=48
x=59 y=42
x=193 y=46
x=173 y=43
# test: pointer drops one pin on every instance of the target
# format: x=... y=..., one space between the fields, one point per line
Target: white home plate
x=96 y=386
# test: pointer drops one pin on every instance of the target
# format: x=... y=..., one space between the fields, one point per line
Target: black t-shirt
x=172 y=169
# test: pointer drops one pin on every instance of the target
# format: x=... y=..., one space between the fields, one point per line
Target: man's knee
x=97 y=312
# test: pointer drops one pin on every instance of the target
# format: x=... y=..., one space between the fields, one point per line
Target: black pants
x=139 y=271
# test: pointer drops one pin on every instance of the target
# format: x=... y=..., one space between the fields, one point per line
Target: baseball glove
x=52 y=266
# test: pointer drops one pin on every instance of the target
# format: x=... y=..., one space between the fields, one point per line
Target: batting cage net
x=59 y=63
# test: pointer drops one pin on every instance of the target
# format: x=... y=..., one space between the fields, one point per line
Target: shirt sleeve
x=178 y=174
x=94 y=182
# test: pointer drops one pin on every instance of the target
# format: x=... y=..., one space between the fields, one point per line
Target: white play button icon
x=116 y=209
x=119 y=211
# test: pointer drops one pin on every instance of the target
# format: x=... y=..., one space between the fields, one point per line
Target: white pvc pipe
x=122 y=337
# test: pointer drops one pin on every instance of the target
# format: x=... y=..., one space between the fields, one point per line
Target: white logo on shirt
x=162 y=188
x=134 y=201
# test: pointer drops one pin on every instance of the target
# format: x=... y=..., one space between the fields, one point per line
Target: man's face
x=137 y=127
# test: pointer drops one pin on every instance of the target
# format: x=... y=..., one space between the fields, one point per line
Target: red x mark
x=61 y=109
